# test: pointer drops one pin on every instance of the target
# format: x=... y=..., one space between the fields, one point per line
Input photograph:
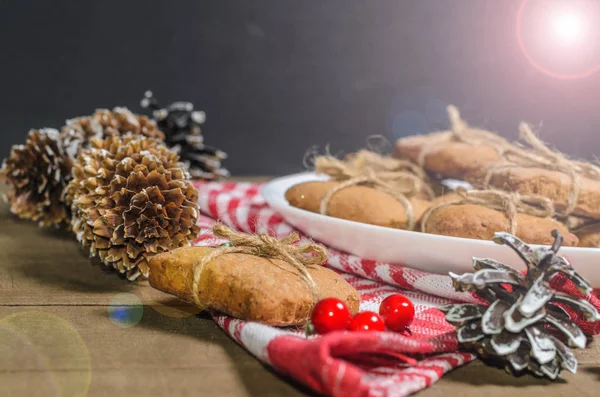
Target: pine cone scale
x=470 y=332
x=569 y=361
x=576 y=336
x=175 y=196
x=518 y=361
x=493 y=321
x=536 y=297
x=506 y=343
x=172 y=212
x=465 y=312
x=101 y=243
x=542 y=347
x=515 y=322
x=135 y=249
x=101 y=229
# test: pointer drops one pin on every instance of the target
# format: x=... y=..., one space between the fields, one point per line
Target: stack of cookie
x=524 y=188
x=540 y=186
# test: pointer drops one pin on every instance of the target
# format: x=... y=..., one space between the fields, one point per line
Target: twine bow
x=397 y=178
x=264 y=246
x=507 y=202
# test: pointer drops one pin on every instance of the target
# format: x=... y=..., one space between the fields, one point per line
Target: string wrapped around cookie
x=264 y=246
x=365 y=187
x=481 y=213
x=401 y=179
x=460 y=131
x=252 y=277
x=537 y=156
x=462 y=152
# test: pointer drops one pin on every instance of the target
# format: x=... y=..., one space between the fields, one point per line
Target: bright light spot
x=559 y=37
x=568 y=27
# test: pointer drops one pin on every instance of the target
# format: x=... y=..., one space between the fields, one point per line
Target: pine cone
x=522 y=328
x=78 y=132
x=181 y=125
x=37 y=173
x=131 y=200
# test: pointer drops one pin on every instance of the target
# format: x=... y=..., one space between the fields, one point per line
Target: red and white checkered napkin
x=343 y=364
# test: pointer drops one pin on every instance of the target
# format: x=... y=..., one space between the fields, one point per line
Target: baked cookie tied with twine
x=368 y=188
x=252 y=277
x=534 y=168
x=463 y=152
x=478 y=214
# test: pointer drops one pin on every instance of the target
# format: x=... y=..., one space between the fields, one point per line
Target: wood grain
x=170 y=351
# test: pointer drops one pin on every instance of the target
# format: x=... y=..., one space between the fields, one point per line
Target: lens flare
x=125 y=310
x=560 y=38
x=40 y=342
x=568 y=27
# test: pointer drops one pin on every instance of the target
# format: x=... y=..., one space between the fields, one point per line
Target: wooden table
x=49 y=293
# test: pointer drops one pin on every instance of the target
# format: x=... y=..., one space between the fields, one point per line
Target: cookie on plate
x=355 y=203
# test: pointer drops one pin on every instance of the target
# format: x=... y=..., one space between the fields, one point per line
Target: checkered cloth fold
x=345 y=364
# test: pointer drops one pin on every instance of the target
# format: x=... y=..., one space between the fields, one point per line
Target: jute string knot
x=508 y=202
x=264 y=246
x=398 y=178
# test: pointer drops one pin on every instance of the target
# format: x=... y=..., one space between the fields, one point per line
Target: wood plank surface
x=59 y=335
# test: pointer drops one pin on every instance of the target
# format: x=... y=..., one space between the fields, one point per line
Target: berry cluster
x=396 y=313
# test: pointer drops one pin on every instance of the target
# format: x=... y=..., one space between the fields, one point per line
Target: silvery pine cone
x=130 y=200
x=181 y=126
x=80 y=131
x=525 y=328
x=37 y=173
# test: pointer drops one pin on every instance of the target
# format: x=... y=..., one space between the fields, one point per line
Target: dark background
x=277 y=77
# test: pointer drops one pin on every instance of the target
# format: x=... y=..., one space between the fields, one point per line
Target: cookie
x=552 y=184
x=479 y=222
x=589 y=235
x=251 y=288
x=446 y=198
x=449 y=158
x=355 y=203
x=402 y=176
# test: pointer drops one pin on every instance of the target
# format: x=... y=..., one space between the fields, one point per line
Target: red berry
x=397 y=311
x=329 y=315
x=367 y=321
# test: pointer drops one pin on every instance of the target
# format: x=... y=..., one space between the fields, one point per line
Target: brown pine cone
x=78 y=132
x=131 y=200
x=37 y=173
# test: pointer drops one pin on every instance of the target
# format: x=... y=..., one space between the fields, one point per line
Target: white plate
x=428 y=252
